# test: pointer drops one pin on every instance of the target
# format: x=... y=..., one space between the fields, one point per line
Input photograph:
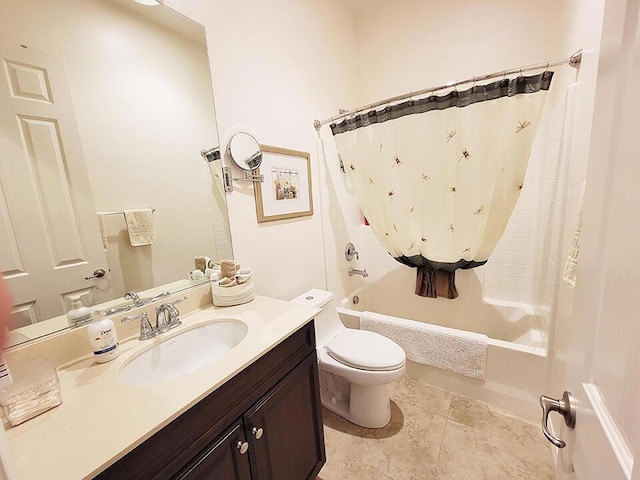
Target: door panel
x=48 y=221
x=605 y=374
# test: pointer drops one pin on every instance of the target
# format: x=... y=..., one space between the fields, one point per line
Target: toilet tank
x=327 y=322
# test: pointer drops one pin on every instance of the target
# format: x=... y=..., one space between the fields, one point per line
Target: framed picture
x=286 y=190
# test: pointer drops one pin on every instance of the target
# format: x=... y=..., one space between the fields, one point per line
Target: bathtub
x=517 y=352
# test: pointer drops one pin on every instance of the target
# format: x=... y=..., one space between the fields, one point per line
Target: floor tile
x=405 y=449
x=334 y=428
x=468 y=453
x=429 y=399
x=497 y=421
x=436 y=435
x=340 y=466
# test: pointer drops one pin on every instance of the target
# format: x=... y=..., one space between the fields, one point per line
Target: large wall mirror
x=105 y=106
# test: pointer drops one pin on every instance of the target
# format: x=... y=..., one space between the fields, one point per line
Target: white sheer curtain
x=438 y=187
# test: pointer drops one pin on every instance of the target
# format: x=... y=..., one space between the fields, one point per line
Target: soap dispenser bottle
x=78 y=313
x=103 y=337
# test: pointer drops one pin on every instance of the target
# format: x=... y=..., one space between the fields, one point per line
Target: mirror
x=245 y=151
x=105 y=106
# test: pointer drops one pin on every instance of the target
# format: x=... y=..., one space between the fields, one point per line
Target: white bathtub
x=516 y=358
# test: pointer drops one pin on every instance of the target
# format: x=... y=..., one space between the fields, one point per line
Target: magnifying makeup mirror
x=245 y=151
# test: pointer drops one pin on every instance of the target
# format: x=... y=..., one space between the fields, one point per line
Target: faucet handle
x=181 y=299
x=146 y=330
x=167 y=315
x=133 y=296
x=350 y=252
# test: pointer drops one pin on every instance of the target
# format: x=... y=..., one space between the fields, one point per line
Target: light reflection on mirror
x=133 y=110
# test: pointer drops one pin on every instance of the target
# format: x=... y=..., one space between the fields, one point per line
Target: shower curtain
x=437 y=178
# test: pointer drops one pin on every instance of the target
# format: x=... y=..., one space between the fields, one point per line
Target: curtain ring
x=546 y=68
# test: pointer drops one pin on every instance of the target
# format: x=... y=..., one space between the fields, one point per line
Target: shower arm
x=573 y=61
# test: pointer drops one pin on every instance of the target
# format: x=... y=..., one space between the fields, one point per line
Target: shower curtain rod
x=573 y=61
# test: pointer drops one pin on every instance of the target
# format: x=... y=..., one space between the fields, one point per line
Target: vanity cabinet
x=263 y=424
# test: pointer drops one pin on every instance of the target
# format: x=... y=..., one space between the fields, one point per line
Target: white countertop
x=101 y=418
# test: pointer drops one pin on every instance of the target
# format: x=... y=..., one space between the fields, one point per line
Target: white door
x=48 y=225
x=605 y=354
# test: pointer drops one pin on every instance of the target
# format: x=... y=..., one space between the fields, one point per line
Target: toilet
x=356 y=366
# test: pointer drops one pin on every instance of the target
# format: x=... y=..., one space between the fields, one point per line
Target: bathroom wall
x=276 y=66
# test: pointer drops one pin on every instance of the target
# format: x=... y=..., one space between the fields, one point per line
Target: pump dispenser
x=79 y=313
x=103 y=337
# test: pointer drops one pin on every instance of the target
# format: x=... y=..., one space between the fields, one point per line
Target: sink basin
x=184 y=353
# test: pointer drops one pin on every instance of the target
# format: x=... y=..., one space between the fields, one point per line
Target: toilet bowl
x=356 y=366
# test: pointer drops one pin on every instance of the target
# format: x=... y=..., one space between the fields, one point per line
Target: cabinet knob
x=257 y=432
x=242 y=446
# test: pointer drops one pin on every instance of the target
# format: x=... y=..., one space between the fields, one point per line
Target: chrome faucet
x=133 y=296
x=167 y=316
x=353 y=271
x=146 y=330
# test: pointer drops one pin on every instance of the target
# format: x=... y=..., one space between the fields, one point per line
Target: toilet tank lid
x=314 y=298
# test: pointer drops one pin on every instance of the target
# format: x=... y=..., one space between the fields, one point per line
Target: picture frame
x=286 y=190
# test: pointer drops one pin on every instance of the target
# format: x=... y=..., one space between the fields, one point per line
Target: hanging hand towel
x=140 y=226
x=461 y=352
x=571 y=265
x=103 y=232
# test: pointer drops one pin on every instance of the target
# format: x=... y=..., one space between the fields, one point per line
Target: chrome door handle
x=99 y=273
x=566 y=407
x=257 y=432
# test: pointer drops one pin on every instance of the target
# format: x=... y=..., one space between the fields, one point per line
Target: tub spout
x=353 y=271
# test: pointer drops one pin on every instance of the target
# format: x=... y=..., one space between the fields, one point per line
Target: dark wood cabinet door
x=285 y=427
x=226 y=459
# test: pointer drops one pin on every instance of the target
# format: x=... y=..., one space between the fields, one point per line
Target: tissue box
x=35 y=390
x=229 y=296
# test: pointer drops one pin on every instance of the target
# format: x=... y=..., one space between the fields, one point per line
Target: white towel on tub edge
x=450 y=349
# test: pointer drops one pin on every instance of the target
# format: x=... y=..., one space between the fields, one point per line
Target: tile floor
x=435 y=434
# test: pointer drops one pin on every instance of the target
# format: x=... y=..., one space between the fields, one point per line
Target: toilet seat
x=365 y=350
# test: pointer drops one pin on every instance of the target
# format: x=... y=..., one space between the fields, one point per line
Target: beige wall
x=276 y=66
x=408 y=45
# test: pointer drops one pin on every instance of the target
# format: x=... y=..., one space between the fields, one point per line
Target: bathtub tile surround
x=434 y=434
